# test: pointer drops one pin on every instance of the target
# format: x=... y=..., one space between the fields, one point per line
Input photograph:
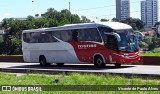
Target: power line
x=93 y=8
x=113 y=14
x=98 y=7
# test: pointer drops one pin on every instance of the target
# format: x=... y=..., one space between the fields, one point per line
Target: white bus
x=91 y=43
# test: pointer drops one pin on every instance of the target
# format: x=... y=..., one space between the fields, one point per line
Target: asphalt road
x=138 y=70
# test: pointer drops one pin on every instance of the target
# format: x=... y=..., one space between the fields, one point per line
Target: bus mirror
x=139 y=35
x=117 y=36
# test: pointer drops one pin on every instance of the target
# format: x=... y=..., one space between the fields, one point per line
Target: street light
x=70 y=12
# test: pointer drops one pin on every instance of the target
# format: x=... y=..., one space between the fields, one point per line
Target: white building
x=122 y=9
x=149 y=12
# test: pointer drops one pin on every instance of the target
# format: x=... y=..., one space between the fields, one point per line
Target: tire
x=98 y=62
x=43 y=62
x=117 y=65
x=60 y=64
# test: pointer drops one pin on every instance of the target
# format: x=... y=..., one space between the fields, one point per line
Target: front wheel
x=98 y=62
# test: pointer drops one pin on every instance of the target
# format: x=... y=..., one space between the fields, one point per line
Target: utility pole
x=70 y=13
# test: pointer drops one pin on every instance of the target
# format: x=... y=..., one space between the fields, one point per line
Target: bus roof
x=112 y=25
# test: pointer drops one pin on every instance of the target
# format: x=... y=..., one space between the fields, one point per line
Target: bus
x=86 y=43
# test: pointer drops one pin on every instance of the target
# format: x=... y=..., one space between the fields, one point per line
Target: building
x=122 y=9
x=149 y=12
x=143 y=12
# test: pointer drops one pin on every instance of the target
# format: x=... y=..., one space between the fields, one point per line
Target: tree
x=115 y=20
x=14 y=27
x=85 y=19
x=30 y=18
x=75 y=18
x=136 y=24
x=104 y=20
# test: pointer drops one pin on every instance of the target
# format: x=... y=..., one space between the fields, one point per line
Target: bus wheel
x=60 y=64
x=117 y=65
x=98 y=62
x=43 y=62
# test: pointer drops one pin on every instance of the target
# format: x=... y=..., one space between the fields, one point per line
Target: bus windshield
x=129 y=42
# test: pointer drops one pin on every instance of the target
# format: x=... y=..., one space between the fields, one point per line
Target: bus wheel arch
x=43 y=61
x=99 y=60
x=60 y=64
x=117 y=65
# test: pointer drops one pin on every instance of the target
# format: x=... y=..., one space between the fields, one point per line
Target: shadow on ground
x=70 y=67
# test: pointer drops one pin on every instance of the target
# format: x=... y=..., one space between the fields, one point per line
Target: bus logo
x=87 y=46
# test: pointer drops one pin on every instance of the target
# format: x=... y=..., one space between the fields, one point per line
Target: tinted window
x=26 y=37
x=34 y=37
x=112 y=42
x=66 y=35
x=46 y=37
x=90 y=34
x=39 y=37
x=75 y=35
x=104 y=29
x=81 y=35
x=57 y=34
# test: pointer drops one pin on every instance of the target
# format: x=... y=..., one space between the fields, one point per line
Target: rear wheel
x=60 y=64
x=98 y=62
x=117 y=65
x=43 y=62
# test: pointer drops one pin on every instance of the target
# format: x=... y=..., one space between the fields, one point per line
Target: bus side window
x=81 y=35
x=112 y=42
x=95 y=36
x=56 y=34
x=66 y=35
x=34 y=37
x=75 y=35
x=102 y=30
x=27 y=37
x=51 y=37
x=92 y=34
x=43 y=38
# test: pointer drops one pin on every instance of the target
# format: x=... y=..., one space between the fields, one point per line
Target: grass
x=150 y=54
x=75 y=79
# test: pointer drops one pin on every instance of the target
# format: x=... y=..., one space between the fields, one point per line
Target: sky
x=92 y=9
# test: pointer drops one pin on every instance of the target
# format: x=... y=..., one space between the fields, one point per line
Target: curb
x=145 y=60
x=52 y=72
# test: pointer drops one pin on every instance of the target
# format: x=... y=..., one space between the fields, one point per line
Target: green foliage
x=115 y=20
x=76 y=79
x=14 y=27
x=150 y=43
x=156 y=51
x=104 y=20
x=155 y=43
x=73 y=79
x=85 y=19
x=136 y=24
x=150 y=54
